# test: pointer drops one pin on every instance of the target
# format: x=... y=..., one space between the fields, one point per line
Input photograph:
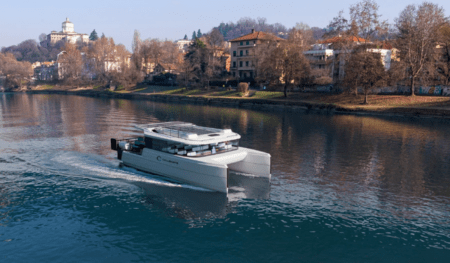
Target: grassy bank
x=350 y=101
x=345 y=103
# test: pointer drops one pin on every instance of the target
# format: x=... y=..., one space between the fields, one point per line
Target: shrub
x=243 y=88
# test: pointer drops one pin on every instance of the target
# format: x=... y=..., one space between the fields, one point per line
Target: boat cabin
x=181 y=138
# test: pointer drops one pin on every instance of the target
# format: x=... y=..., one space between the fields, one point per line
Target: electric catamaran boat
x=189 y=153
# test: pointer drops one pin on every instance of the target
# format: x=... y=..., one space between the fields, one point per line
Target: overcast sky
x=171 y=19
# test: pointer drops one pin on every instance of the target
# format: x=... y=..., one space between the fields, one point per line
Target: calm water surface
x=343 y=188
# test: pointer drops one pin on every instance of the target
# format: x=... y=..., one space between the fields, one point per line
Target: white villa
x=67 y=34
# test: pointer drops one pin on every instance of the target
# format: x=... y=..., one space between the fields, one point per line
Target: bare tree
x=364 y=15
x=171 y=55
x=215 y=45
x=151 y=53
x=418 y=35
x=70 y=63
x=102 y=58
x=338 y=25
x=186 y=70
x=302 y=26
x=364 y=69
x=125 y=74
x=283 y=62
x=15 y=71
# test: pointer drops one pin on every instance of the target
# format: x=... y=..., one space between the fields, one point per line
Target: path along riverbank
x=418 y=106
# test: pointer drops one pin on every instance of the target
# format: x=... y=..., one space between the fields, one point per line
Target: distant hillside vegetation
x=245 y=25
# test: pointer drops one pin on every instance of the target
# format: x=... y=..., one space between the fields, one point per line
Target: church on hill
x=67 y=34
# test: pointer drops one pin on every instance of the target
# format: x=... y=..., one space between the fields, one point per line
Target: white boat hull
x=210 y=172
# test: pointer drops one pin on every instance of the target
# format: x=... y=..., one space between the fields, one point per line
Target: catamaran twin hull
x=196 y=155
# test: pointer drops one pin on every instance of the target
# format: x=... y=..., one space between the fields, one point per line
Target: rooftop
x=255 y=35
x=187 y=133
x=342 y=38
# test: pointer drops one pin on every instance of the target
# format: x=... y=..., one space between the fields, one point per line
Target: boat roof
x=187 y=133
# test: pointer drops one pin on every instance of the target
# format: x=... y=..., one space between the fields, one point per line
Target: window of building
x=254 y=41
x=242 y=43
x=234 y=64
x=246 y=63
x=246 y=52
x=240 y=63
x=234 y=74
x=251 y=74
x=245 y=75
x=247 y=43
x=240 y=74
x=234 y=53
x=241 y=53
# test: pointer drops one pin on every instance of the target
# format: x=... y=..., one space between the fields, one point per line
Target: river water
x=343 y=189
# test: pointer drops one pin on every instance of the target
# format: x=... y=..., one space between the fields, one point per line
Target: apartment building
x=330 y=54
x=243 y=53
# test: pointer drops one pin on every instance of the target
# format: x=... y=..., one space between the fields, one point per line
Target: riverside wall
x=437 y=90
x=260 y=104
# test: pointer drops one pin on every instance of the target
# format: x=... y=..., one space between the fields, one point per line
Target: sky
x=169 y=19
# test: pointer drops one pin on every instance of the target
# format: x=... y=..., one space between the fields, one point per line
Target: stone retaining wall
x=278 y=105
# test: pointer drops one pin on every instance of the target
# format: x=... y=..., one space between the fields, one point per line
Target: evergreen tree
x=93 y=36
x=194 y=36
x=185 y=37
x=199 y=33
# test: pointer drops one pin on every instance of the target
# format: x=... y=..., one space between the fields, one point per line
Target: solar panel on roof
x=173 y=128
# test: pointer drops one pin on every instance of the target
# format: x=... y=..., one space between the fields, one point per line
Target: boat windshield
x=190 y=150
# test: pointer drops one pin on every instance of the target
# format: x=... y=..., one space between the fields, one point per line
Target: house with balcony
x=330 y=54
x=242 y=50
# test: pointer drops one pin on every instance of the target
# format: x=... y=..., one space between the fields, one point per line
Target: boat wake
x=99 y=167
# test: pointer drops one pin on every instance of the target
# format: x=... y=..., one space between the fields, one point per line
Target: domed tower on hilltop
x=68 y=34
x=67 y=26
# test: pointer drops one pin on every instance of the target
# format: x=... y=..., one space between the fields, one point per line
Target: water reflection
x=188 y=203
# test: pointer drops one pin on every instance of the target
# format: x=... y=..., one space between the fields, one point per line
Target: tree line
x=420 y=36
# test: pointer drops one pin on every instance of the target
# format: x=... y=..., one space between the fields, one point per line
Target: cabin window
x=148 y=142
x=191 y=150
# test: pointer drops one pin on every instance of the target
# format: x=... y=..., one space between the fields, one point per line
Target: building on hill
x=46 y=71
x=183 y=44
x=67 y=34
x=243 y=53
x=329 y=54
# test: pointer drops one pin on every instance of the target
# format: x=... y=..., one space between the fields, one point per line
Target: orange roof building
x=257 y=35
x=338 y=39
x=242 y=52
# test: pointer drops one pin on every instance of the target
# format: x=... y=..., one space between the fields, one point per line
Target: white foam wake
x=104 y=168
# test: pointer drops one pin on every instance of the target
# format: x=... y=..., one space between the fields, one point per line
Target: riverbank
x=335 y=103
